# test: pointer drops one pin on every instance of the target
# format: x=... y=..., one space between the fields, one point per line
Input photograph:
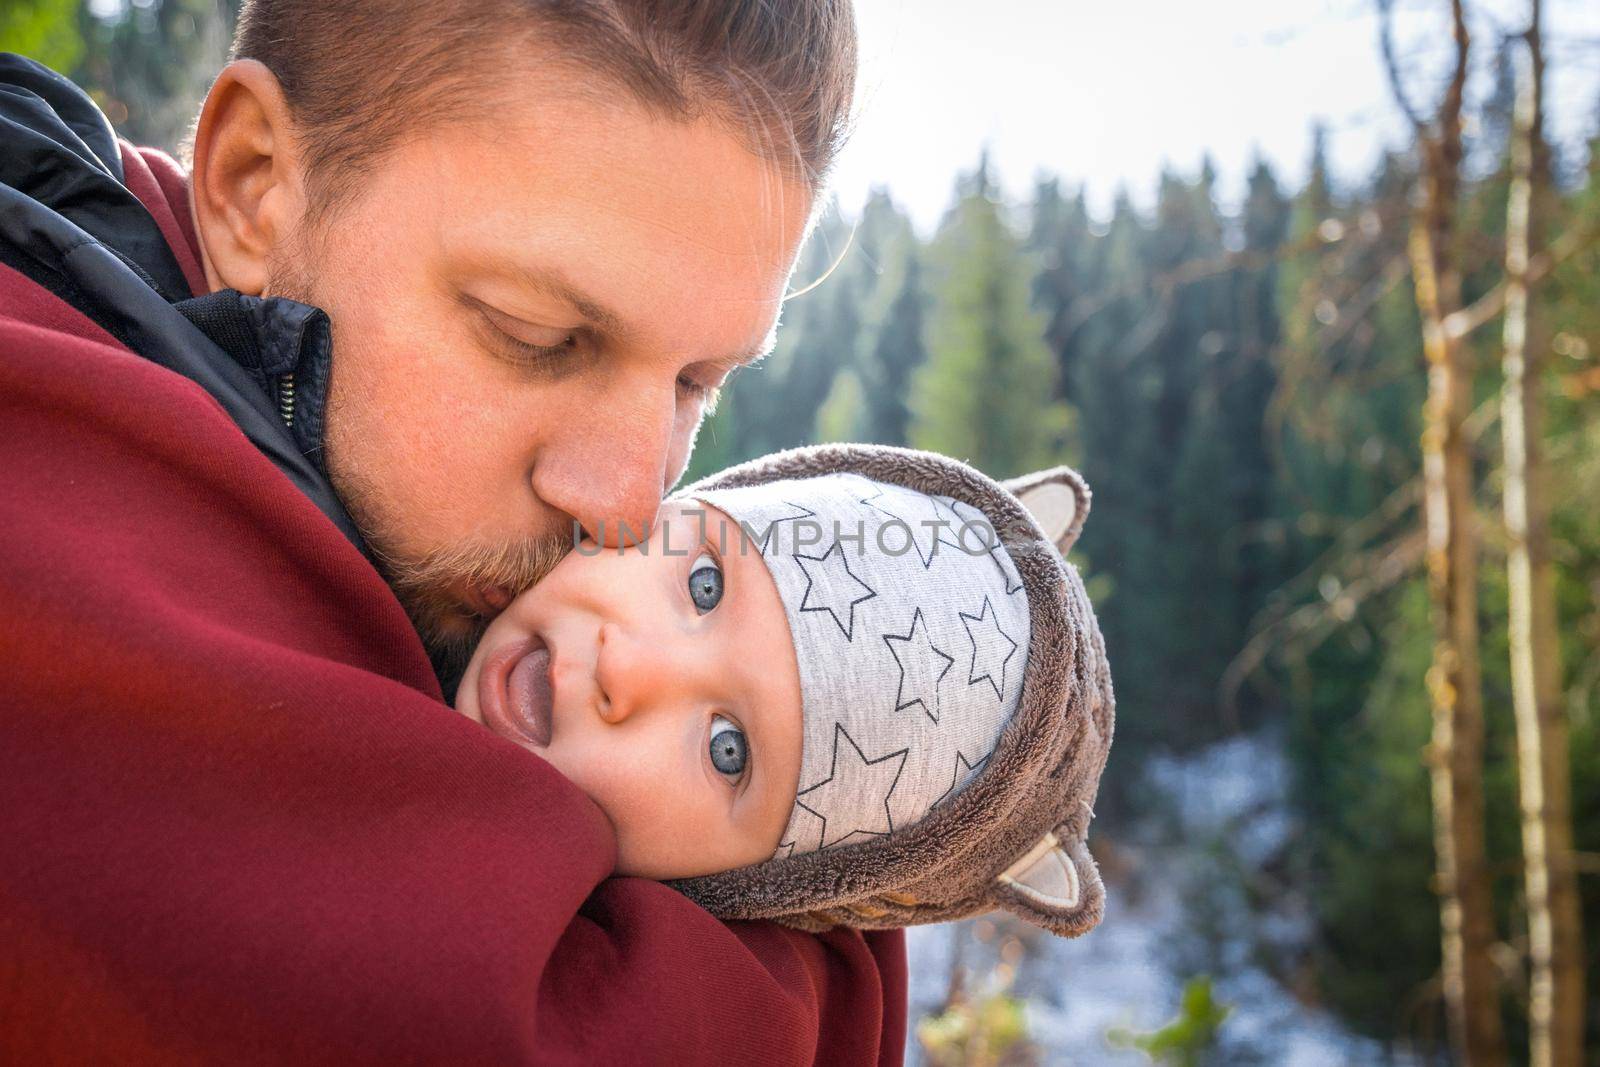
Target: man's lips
x=486 y=601
x=514 y=692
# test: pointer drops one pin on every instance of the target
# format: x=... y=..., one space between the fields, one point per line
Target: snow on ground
x=1174 y=908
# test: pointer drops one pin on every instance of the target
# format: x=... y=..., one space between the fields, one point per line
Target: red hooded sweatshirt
x=237 y=823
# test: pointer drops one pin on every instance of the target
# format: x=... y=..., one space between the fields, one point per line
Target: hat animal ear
x=1043 y=886
x=1058 y=500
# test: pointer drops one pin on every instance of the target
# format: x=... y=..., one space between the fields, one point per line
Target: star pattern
x=886 y=761
x=833 y=596
x=997 y=552
x=1008 y=569
x=852 y=776
x=918 y=534
x=921 y=654
x=963 y=769
x=991 y=648
x=802 y=512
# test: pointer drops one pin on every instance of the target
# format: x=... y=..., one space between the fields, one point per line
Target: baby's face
x=665 y=686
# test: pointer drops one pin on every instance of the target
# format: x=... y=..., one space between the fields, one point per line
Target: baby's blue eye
x=705 y=583
x=729 y=750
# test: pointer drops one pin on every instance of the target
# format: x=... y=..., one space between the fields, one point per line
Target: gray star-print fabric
x=911 y=630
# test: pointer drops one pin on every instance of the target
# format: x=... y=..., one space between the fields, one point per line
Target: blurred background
x=1208 y=254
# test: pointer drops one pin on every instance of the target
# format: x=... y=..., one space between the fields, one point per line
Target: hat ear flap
x=1058 y=500
x=1043 y=886
x=1045 y=877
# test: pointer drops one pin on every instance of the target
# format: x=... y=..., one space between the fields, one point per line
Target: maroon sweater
x=237 y=824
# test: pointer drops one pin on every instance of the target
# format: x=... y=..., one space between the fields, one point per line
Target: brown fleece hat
x=1013 y=837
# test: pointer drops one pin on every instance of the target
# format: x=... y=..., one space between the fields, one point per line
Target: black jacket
x=69 y=223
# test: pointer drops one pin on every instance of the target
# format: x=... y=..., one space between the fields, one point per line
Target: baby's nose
x=607 y=679
x=635 y=671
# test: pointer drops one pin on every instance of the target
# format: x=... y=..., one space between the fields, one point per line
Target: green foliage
x=987 y=391
x=975 y=1032
x=891 y=344
x=46 y=30
x=1189 y=1037
x=147 y=64
x=845 y=410
x=1164 y=330
x=1365 y=794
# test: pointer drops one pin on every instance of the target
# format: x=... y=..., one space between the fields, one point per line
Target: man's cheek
x=432 y=401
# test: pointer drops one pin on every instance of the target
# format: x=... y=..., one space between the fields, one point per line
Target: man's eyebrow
x=551 y=282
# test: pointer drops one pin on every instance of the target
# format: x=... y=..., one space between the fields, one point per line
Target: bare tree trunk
x=1555 y=934
x=1455 y=754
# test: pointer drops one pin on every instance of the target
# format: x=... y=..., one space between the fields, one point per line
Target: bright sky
x=1107 y=92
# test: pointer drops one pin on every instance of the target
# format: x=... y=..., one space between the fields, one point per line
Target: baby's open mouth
x=514 y=692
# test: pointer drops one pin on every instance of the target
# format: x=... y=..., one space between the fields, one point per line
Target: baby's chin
x=664 y=870
x=647 y=853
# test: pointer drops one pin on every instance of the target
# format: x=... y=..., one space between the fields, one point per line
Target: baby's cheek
x=649 y=845
x=660 y=837
x=663 y=811
x=617 y=788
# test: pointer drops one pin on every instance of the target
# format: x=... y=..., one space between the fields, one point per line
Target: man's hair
x=359 y=74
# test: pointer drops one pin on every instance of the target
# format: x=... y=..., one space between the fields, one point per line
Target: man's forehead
x=611 y=144
x=662 y=232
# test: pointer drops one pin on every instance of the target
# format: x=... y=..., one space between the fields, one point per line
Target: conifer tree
x=1113 y=388
x=1066 y=250
x=986 y=393
x=891 y=346
x=843 y=414
x=774 y=404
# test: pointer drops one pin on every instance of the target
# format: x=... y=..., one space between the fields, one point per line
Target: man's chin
x=450 y=636
x=450 y=645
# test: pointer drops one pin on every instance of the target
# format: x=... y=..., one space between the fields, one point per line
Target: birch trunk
x=1555 y=934
x=1455 y=754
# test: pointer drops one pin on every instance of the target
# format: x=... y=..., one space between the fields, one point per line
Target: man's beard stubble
x=428 y=585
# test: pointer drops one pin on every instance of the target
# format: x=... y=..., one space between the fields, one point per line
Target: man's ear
x=247 y=191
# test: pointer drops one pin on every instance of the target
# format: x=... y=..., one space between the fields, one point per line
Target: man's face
x=529 y=318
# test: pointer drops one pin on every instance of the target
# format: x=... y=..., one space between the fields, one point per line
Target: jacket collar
x=285 y=346
x=69 y=223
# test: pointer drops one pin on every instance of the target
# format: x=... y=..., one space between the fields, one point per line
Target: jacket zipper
x=286 y=399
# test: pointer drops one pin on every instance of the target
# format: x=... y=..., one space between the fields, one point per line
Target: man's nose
x=609 y=468
x=639 y=671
